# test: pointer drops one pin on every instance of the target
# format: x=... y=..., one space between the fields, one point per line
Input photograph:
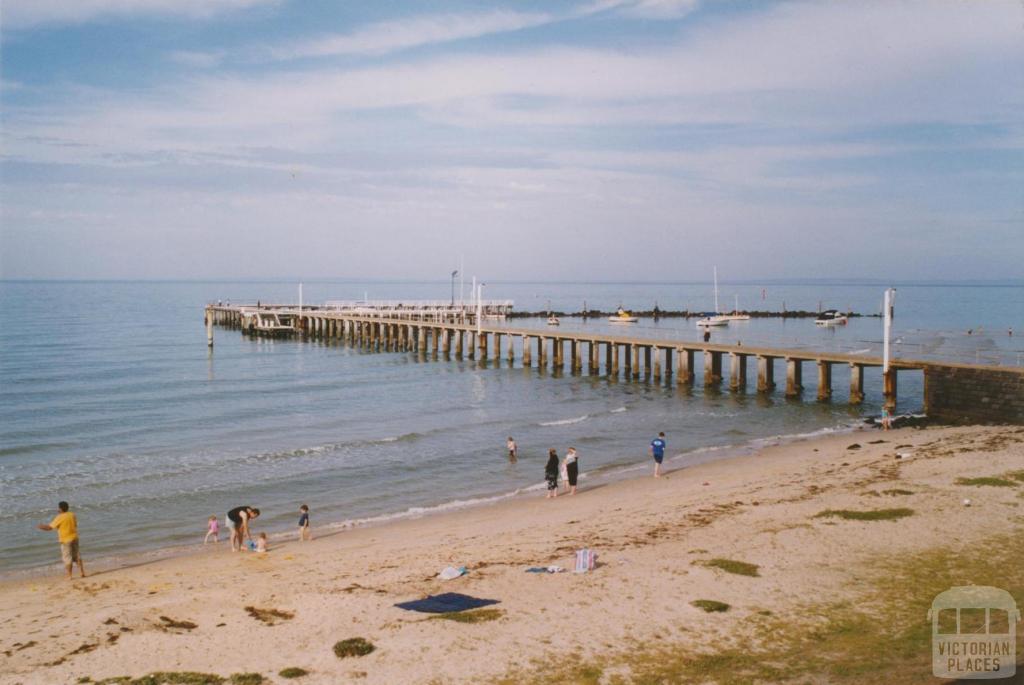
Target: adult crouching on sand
x=66 y=525
x=239 y=519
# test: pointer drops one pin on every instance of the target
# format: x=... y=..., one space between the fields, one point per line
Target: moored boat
x=831 y=317
x=622 y=316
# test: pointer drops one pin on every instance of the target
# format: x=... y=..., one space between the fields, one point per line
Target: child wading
x=212 y=528
x=305 y=532
x=551 y=473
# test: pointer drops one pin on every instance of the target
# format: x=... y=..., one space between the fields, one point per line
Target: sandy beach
x=816 y=598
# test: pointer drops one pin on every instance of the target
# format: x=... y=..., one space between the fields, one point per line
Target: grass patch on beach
x=740 y=568
x=991 y=481
x=880 y=635
x=293 y=672
x=473 y=616
x=176 y=678
x=246 y=679
x=869 y=515
x=354 y=646
x=710 y=605
x=1016 y=475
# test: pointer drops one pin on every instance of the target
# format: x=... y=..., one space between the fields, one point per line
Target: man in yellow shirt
x=66 y=526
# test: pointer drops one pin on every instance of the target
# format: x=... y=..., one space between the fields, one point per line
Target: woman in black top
x=238 y=522
x=551 y=473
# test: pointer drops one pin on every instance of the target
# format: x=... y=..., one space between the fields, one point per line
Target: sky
x=594 y=140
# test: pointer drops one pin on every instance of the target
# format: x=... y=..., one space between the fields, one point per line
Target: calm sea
x=110 y=399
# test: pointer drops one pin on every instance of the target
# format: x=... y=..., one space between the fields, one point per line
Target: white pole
x=462 y=281
x=300 y=298
x=890 y=295
x=479 y=308
x=716 y=290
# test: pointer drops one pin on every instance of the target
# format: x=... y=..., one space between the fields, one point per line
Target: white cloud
x=660 y=9
x=19 y=14
x=401 y=34
x=197 y=59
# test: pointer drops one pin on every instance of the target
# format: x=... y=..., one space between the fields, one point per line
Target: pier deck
x=599 y=353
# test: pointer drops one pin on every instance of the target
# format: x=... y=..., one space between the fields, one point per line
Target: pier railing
x=599 y=352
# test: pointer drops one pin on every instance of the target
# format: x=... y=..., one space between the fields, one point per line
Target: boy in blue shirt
x=658 y=452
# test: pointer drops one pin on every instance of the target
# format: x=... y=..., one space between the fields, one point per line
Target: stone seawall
x=961 y=394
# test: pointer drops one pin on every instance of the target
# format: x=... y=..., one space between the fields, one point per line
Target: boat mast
x=716 y=290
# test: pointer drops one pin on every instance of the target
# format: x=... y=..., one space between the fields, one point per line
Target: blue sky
x=593 y=140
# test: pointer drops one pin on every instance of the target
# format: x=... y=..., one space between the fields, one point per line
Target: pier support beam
x=527 y=352
x=794 y=377
x=209 y=328
x=614 y=366
x=824 y=380
x=610 y=352
x=737 y=372
x=889 y=388
x=668 y=364
x=458 y=344
x=712 y=368
x=684 y=367
x=765 y=374
x=648 y=353
x=484 y=346
x=656 y=352
x=497 y=347
x=635 y=370
x=542 y=353
x=856 y=383
x=511 y=349
x=421 y=342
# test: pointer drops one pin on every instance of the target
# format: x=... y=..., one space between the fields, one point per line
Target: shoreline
x=600 y=476
x=657 y=541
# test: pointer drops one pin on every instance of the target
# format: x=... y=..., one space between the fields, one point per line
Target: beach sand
x=826 y=593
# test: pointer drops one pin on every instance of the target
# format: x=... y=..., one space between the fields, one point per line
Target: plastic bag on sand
x=451 y=572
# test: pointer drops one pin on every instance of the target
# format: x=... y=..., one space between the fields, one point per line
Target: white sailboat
x=736 y=316
x=715 y=319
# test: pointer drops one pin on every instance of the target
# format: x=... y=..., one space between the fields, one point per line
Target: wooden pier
x=617 y=357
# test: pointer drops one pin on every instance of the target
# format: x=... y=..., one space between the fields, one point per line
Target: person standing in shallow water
x=513 y=450
x=658 y=452
x=572 y=469
x=66 y=525
x=551 y=473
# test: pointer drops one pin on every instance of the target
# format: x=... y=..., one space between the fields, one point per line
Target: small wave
x=617 y=411
x=565 y=422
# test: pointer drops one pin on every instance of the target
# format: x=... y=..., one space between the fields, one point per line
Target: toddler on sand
x=305 y=532
x=213 y=529
x=261 y=543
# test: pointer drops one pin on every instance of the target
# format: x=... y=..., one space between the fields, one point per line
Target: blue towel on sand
x=446 y=603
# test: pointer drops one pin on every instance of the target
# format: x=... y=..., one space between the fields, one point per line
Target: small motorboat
x=553 y=320
x=622 y=316
x=831 y=317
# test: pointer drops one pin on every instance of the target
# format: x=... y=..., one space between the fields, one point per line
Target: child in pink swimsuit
x=213 y=530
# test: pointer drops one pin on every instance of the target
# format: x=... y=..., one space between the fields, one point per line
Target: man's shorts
x=658 y=458
x=69 y=551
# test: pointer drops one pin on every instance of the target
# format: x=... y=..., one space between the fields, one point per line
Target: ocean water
x=110 y=399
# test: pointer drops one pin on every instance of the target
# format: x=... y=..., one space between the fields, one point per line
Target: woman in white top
x=572 y=469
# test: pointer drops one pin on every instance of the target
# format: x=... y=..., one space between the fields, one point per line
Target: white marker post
x=479 y=309
x=890 y=296
x=888 y=374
